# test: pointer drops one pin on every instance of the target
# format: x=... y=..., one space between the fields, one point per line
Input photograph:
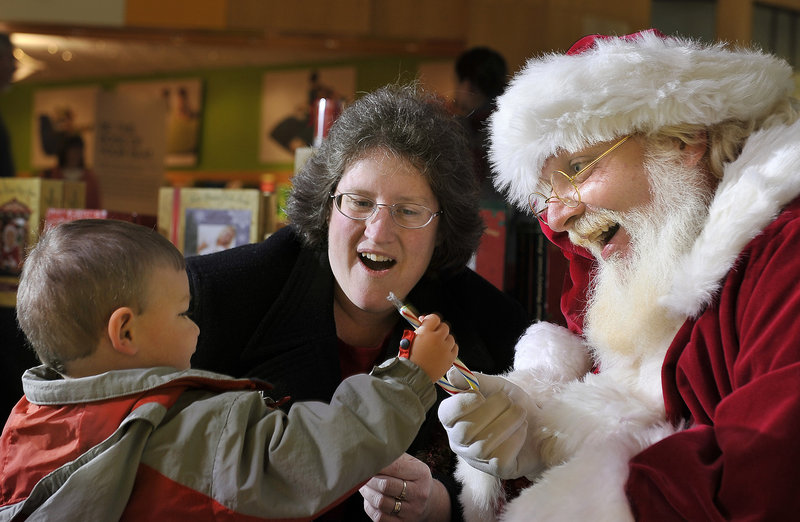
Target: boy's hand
x=434 y=349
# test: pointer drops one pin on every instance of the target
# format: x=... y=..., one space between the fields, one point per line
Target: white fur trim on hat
x=620 y=86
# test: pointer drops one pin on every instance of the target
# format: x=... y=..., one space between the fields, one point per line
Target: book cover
x=204 y=220
x=23 y=206
x=490 y=259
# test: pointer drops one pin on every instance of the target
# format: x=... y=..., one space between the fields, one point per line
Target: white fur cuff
x=554 y=351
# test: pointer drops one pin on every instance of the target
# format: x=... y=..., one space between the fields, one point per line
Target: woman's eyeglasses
x=406 y=215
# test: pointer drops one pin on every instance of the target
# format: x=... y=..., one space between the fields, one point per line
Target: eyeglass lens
x=407 y=215
x=565 y=188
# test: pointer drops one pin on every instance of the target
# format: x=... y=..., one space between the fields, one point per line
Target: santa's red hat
x=606 y=87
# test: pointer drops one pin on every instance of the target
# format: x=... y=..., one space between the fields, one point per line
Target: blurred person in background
x=8 y=65
x=481 y=75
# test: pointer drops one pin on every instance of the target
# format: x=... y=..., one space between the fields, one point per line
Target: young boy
x=114 y=424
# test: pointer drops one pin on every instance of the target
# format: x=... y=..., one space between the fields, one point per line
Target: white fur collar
x=754 y=189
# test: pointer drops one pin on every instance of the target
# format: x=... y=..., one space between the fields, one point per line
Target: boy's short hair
x=79 y=273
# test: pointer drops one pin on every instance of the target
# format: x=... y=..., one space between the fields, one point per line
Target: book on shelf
x=535 y=270
x=24 y=203
x=204 y=220
x=490 y=258
x=56 y=216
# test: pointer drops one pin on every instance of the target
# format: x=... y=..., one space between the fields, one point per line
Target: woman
x=388 y=203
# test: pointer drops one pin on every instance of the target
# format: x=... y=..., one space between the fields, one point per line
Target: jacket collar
x=44 y=386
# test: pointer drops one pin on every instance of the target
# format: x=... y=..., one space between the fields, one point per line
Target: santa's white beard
x=624 y=320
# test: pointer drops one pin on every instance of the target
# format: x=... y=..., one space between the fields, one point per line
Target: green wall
x=16 y=107
x=231 y=112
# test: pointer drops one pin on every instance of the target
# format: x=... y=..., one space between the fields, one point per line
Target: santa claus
x=668 y=171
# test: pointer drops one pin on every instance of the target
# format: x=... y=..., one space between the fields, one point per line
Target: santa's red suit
x=704 y=428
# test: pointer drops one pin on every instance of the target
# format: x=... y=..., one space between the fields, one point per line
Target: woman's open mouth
x=376 y=262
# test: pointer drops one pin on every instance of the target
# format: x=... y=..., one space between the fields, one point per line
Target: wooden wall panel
x=425 y=19
x=520 y=29
x=514 y=28
x=793 y=5
x=109 y=13
x=734 y=20
x=339 y=18
x=181 y=14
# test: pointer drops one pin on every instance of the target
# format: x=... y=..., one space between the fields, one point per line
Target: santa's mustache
x=595 y=227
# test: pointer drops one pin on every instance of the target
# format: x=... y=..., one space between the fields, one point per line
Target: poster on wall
x=59 y=116
x=129 y=152
x=288 y=102
x=183 y=102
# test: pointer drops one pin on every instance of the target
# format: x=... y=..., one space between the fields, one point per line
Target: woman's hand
x=405 y=490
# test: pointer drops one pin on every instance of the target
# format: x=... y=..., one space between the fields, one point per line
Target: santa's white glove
x=489 y=428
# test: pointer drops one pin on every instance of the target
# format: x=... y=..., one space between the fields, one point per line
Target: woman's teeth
x=375 y=257
x=375 y=261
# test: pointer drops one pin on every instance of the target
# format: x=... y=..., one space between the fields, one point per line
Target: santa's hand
x=489 y=428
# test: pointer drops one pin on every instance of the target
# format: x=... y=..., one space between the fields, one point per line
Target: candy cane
x=410 y=315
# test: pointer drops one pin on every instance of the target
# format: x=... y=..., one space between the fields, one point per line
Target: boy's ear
x=120 y=330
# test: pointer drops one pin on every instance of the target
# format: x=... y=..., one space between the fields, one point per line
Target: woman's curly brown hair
x=416 y=126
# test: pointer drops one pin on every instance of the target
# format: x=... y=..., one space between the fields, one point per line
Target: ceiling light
x=26 y=65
